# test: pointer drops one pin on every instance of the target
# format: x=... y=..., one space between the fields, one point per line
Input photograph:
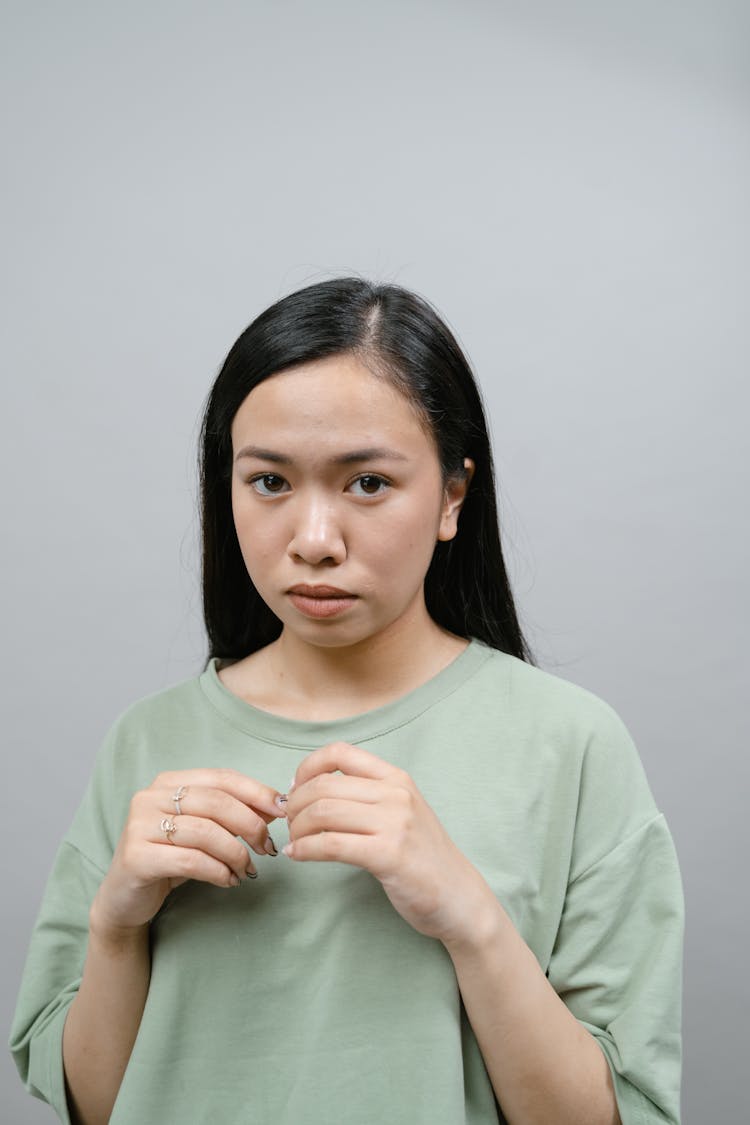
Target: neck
x=364 y=675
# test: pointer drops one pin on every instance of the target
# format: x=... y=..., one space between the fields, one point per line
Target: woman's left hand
x=371 y=815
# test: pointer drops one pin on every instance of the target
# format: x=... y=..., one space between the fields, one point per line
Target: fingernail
x=234 y=881
x=281 y=800
x=292 y=785
x=270 y=846
x=252 y=874
x=288 y=849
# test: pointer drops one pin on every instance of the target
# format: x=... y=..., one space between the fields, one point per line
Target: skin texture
x=314 y=521
x=367 y=526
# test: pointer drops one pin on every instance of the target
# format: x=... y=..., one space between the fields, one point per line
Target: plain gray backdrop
x=568 y=184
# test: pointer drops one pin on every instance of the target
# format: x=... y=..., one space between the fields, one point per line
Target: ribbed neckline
x=304 y=735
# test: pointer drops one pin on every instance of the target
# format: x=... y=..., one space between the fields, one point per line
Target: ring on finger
x=168 y=827
x=177 y=797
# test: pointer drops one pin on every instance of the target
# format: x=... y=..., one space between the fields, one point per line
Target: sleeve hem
x=634 y=1107
x=57 y=1075
x=630 y=1100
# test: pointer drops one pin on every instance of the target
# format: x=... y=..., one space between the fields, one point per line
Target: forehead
x=331 y=401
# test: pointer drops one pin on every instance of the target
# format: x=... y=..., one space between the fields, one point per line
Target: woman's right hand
x=217 y=806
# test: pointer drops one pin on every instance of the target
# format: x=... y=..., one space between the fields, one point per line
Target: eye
x=371 y=484
x=267 y=484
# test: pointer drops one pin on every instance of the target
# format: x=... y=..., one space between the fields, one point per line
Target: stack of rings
x=168 y=825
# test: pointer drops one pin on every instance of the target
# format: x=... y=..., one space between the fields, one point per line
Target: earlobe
x=453 y=498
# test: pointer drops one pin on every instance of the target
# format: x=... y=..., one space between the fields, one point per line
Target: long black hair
x=396 y=334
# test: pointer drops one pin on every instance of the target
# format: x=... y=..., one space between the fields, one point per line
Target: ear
x=453 y=498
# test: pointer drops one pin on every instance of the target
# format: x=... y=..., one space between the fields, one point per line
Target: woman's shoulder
x=544 y=713
x=529 y=690
x=568 y=732
x=144 y=739
x=172 y=702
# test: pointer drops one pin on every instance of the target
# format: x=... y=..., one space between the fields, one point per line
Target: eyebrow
x=372 y=453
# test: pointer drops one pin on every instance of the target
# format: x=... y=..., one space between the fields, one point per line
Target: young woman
x=372 y=864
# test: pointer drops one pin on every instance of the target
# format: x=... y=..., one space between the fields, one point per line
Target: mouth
x=320 y=601
x=320 y=591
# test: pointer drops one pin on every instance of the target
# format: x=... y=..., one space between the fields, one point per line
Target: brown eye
x=268 y=484
x=371 y=484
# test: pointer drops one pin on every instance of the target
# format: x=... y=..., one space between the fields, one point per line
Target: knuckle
x=257 y=832
x=183 y=862
x=256 y=823
x=333 y=845
x=211 y=801
x=332 y=748
x=249 y=828
x=403 y=797
x=321 y=809
x=211 y=833
x=139 y=801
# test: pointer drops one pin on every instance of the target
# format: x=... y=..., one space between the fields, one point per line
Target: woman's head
x=388 y=334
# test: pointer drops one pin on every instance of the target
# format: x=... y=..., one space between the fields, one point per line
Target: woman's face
x=336 y=485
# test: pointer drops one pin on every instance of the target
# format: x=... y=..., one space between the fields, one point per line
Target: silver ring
x=168 y=827
x=178 y=797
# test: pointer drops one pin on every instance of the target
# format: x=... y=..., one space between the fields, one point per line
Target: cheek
x=257 y=538
x=258 y=551
x=402 y=548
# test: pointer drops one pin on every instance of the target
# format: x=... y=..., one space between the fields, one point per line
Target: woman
x=469 y=907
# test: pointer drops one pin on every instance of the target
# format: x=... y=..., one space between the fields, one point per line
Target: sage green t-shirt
x=303 y=996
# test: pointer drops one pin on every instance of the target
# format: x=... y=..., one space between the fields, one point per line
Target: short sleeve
x=57 y=948
x=52 y=975
x=617 y=958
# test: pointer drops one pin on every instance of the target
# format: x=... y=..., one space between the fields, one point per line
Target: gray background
x=568 y=184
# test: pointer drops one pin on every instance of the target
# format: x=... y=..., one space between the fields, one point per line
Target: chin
x=328 y=637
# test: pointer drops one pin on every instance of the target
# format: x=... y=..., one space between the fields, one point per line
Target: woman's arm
x=543 y=1065
x=217 y=808
x=103 y=1020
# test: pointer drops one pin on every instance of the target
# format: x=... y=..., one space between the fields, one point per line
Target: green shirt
x=303 y=996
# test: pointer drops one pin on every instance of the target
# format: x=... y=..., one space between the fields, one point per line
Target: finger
x=206 y=836
x=352 y=760
x=260 y=797
x=337 y=847
x=179 y=864
x=222 y=808
x=329 y=815
x=334 y=785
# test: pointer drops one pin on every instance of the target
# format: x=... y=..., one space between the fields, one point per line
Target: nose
x=317 y=535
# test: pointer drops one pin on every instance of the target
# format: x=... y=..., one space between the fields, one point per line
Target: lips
x=320 y=591
x=321 y=601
